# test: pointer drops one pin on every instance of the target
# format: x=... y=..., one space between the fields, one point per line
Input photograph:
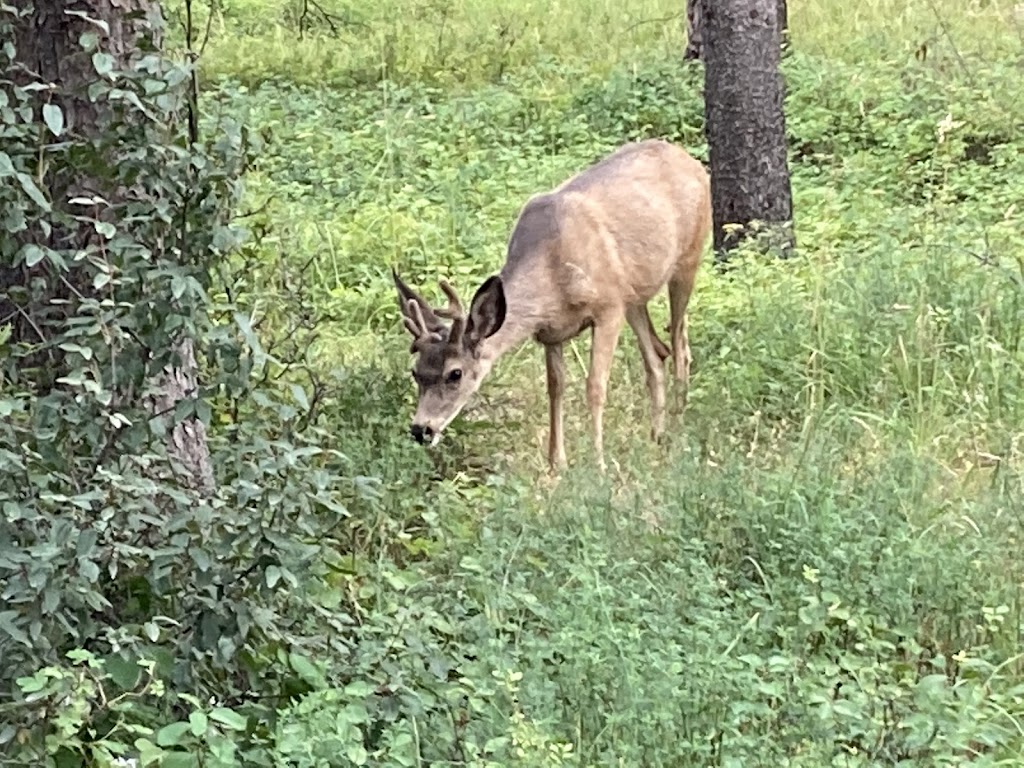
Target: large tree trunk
x=745 y=123
x=695 y=28
x=49 y=49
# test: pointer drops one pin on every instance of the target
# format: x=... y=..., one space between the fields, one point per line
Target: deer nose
x=421 y=434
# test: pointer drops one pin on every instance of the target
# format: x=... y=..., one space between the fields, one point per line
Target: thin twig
x=36 y=328
x=952 y=42
x=209 y=27
x=640 y=23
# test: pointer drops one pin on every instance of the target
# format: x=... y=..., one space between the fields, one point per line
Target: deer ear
x=487 y=312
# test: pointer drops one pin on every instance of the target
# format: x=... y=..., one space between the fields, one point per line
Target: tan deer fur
x=589 y=254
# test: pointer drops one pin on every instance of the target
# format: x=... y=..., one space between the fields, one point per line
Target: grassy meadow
x=822 y=566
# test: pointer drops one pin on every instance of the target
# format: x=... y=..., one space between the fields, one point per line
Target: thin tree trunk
x=783 y=19
x=187 y=445
x=48 y=46
x=694 y=31
x=745 y=124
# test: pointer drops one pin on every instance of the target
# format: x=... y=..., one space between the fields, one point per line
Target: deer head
x=450 y=364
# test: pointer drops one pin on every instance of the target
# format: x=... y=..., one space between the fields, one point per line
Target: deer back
x=609 y=237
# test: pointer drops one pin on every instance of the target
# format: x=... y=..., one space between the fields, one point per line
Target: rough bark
x=745 y=124
x=47 y=47
x=695 y=28
x=187 y=444
x=47 y=42
x=694 y=31
x=783 y=21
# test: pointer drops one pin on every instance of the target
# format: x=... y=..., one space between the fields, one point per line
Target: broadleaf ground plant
x=820 y=567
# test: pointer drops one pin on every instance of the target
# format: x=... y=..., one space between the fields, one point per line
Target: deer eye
x=454 y=375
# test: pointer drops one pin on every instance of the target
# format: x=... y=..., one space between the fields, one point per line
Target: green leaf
x=53 y=116
x=88 y=40
x=32 y=254
x=85 y=352
x=6 y=166
x=86 y=542
x=123 y=672
x=14 y=220
x=201 y=559
x=172 y=735
x=73 y=379
x=100 y=23
x=305 y=669
x=199 y=723
x=89 y=570
x=33 y=191
x=203 y=411
x=100 y=280
x=358 y=689
x=178 y=286
x=16 y=633
x=272 y=575
x=229 y=718
x=495 y=744
x=179 y=760
x=82 y=656
x=151 y=630
x=250 y=336
x=357 y=754
x=300 y=396
x=149 y=753
x=105 y=229
x=32 y=684
x=103 y=63
x=51 y=599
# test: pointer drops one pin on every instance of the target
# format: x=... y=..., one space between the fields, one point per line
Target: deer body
x=589 y=254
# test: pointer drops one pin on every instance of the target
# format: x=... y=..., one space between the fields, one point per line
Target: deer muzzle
x=422 y=434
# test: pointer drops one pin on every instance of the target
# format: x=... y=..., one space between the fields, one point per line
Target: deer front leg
x=556 y=388
x=602 y=350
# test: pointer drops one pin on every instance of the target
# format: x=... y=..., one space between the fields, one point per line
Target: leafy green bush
x=110 y=558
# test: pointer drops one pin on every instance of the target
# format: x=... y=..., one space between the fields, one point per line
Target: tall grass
x=467 y=42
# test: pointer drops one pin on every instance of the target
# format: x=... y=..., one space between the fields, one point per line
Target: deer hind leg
x=555 y=363
x=679 y=289
x=602 y=350
x=663 y=351
x=651 y=349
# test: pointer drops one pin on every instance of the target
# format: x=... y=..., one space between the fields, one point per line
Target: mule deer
x=589 y=254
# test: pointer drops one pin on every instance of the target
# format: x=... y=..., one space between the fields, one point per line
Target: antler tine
x=454 y=309
x=417 y=325
x=411 y=325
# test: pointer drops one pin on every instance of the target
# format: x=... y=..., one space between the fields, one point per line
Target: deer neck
x=524 y=316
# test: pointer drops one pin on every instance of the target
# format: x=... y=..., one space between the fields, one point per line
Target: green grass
x=822 y=566
x=466 y=42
